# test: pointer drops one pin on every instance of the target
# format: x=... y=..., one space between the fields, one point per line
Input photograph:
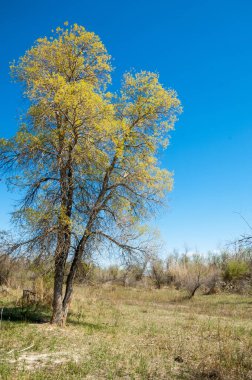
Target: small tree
x=192 y=273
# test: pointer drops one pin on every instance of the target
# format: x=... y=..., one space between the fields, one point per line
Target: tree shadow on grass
x=71 y=320
x=32 y=314
x=39 y=314
x=91 y=326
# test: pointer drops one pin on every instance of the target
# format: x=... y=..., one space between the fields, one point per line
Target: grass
x=127 y=333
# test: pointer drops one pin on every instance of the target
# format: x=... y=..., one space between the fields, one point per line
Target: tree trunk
x=57 y=309
x=64 y=232
x=60 y=263
x=194 y=291
x=71 y=275
x=60 y=310
x=58 y=288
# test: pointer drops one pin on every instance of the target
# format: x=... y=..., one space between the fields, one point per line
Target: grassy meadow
x=129 y=333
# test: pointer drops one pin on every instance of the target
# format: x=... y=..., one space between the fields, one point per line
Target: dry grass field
x=128 y=333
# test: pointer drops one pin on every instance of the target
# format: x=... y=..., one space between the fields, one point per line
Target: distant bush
x=5 y=270
x=14 y=272
x=159 y=273
x=226 y=271
x=85 y=273
x=235 y=269
x=194 y=272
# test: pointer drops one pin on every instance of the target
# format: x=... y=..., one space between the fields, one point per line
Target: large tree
x=86 y=159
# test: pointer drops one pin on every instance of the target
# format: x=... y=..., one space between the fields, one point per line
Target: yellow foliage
x=74 y=118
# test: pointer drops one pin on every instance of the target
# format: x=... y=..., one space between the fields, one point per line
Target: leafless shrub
x=193 y=273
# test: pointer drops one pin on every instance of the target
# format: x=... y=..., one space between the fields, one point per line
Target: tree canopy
x=86 y=159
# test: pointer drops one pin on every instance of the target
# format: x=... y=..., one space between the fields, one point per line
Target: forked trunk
x=57 y=310
x=59 y=315
x=60 y=262
x=57 y=294
x=60 y=309
x=61 y=303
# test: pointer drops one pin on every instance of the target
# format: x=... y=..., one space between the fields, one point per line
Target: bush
x=133 y=274
x=235 y=269
x=193 y=273
x=5 y=270
x=158 y=273
x=85 y=273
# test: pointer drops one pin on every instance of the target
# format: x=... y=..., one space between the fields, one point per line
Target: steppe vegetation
x=134 y=329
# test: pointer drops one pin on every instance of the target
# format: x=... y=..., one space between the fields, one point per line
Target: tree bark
x=60 y=262
x=63 y=242
x=71 y=275
x=61 y=303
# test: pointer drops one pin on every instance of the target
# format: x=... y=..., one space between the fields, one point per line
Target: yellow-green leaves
x=148 y=109
x=92 y=153
x=147 y=100
x=65 y=79
x=72 y=54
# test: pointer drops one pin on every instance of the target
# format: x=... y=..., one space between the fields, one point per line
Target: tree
x=84 y=158
x=191 y=273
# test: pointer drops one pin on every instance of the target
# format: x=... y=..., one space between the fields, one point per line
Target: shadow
x=31 y=314
x=91 y=326
x=207 y=375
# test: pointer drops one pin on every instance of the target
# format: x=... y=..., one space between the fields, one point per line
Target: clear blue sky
x=203 y=49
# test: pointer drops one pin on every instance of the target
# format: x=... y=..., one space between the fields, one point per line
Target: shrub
x=5 y=270
x=235 y=269
x=85 y=273
x=158 y=273
x=193 y=273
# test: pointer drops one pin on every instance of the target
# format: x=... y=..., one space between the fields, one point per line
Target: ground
x=127 y=333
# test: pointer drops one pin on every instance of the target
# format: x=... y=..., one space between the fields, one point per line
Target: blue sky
x=202 y=49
